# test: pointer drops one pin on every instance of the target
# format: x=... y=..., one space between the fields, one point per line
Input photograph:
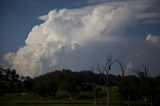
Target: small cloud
x=153 y=39
x=129 y=66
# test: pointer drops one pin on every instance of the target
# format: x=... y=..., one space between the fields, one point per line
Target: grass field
x=33 y=100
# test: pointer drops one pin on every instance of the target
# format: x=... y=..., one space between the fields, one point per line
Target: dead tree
x=143 y=75
x=105 y=72
x=94 y=85
x=123 y=69
x=123 y=73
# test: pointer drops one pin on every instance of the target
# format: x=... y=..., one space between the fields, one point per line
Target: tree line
x=98 y=80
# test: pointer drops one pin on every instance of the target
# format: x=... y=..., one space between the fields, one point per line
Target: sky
x=39 y=36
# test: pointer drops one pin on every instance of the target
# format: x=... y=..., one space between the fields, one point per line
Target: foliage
x=9 y=81
x=128 y=88
x=66 y=83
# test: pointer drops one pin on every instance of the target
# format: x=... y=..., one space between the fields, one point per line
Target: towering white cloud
x=67 y=30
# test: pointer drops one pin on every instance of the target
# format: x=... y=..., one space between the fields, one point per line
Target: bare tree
x=94 y=85
x=143 y=75
x=105 y=72
x=123 y=69
x=123 y=73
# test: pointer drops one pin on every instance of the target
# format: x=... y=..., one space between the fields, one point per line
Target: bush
x=61 y=95
x=86 y=95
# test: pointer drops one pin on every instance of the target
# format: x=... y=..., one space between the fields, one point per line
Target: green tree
x=70 y=84
x=128 y=88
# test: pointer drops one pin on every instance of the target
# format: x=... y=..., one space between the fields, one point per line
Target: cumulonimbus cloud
x=68 y=29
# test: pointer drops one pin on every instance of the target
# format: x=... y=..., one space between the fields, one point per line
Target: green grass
x=30 y=99
x=33 y=100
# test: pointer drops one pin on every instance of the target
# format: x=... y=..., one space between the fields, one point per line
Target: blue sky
x=18 y=17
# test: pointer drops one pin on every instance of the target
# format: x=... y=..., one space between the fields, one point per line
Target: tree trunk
x=95 y=102
x=151 y=101
x=128 y=100
x=108 y=96
x=70 y=97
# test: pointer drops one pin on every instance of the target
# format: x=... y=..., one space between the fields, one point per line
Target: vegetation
x=67 y=86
